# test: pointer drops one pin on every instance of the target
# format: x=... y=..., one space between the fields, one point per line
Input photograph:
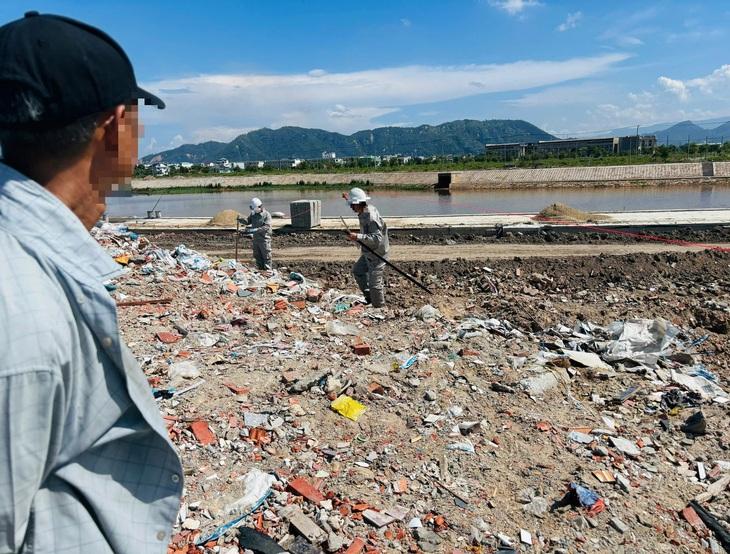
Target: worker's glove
x=240 y=219
x=251 y=231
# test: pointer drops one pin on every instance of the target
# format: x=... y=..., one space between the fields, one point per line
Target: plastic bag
x=427 y=313
x=335 y=327
x=348 y=407
x=186 y=370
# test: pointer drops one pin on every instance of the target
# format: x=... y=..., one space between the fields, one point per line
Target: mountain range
x=466 y=136
x=686 y=131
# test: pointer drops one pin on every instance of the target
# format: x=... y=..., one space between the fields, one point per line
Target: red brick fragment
x=291 y=376
x=237 y=390
x=361 y=349
x=167 y=338
x=355 y=547
x=302 y=488
x=201 y=432
x=693 y=519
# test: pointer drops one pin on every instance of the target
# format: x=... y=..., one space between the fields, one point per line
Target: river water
x=396 y=203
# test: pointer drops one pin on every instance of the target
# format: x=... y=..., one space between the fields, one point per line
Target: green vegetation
x=585 y=157
x=265 y=185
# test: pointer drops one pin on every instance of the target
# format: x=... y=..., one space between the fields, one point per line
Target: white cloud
x=221 y=106
x=514 y=7
x=675 y=87
x=717 y=82
x=405 y=22
x=150 y=146
x=571 y=22
x=627 y=41
x=341 y=111
x=715 y=85
x=220 y=134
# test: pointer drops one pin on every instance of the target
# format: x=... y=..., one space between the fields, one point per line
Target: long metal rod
x=238 y=227
x=411 y=279
x=158 y=201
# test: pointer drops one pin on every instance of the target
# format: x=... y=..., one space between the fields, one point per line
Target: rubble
x=463 y=424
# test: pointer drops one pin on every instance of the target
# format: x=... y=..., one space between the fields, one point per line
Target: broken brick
x=355 y=547
x=167 y=338
x=202 y=432
x=302 y=488
x=693 y=519
x=361 y=349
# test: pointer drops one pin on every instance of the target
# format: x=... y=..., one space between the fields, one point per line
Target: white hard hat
x=357 y=196
x=255 y=204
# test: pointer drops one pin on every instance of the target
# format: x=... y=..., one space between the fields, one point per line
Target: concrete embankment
x=479 y=224
x=487 y=178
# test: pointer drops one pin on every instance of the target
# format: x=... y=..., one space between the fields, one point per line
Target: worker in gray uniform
x=368 y=269
x=260 y=222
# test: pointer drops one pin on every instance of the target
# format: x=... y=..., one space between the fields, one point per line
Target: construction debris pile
x=304 y=415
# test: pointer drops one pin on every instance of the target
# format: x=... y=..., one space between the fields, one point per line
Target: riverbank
x=603 y=176
x=464 y=223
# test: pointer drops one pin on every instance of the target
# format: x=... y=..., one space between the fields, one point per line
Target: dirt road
x=434 y=252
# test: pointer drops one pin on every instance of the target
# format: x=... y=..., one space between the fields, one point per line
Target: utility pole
x=637 y=142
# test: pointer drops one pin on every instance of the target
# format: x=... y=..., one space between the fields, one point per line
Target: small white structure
x=158 y=170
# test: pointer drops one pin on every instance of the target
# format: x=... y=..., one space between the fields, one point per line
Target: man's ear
x=110 y=125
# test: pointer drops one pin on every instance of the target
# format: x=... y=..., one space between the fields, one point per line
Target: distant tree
x=596 y=152
x=140 y=172
x=663 y=152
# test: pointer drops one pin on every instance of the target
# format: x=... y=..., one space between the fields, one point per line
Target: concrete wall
x=461 y=179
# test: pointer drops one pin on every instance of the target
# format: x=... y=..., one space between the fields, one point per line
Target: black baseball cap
x=75 y=69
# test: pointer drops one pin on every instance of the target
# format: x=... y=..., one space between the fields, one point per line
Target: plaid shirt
x=86 y=465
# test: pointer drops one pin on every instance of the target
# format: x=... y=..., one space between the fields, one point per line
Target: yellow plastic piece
x=346 y=406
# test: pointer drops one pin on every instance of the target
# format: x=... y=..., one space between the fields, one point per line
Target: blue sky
x=571 y=68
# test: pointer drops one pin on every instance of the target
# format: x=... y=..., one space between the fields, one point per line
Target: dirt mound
x=561 y=212
x=226 y=218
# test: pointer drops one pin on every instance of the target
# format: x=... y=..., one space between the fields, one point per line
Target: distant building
x=329 y=155
x=159 y=170
x=631 y=143
x=223 y=165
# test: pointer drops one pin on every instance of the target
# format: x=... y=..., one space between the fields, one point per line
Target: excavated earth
x=507 y=470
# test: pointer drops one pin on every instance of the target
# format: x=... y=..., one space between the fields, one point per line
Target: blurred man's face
x=122 y=154
x=130 y=131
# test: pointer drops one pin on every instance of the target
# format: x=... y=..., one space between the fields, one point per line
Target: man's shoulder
x=372 y=214
x=25 y=274
x=35 y=312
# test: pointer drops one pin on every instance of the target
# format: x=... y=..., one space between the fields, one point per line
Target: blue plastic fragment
x=585 y=497
x=408 y=363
